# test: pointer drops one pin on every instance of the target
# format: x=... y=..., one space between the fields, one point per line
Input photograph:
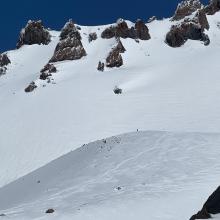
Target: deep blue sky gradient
x=15 y=14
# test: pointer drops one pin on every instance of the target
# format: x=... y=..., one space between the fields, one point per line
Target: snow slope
x=163 y=89
x=140 y=175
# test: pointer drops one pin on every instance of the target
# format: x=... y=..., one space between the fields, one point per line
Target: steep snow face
x=162 y=89
x=153 y=175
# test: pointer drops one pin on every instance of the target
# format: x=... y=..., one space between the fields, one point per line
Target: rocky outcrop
x=120 y=47
x=33 y=33
x=212 y=7
x=69 y=31
x=50 y=211
x=202 y=20
x=4 y=61
x=92 y=37
x=211 y=206
x=142 y=31
x=31 y=87
x=121 y=30
x=101 y=66
x=186 y=8
x=189 y=29
x=47 y=71
x=114 y=58
x=70 y=46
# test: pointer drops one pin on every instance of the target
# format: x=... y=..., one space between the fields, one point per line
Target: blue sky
x=54 y=13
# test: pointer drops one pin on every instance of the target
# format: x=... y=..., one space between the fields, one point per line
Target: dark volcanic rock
x=120 y=46
x=49 y=211
x=92 y=37
x=186 y=8
x=189 y=29
x=70 y=30
x=213 y=7
x=70 y=46
x=121 y=30
x=4 y=60
x=47 y=71
x=114 y=59
x=32 y=86
x=33 y=33
x=142 y=30
x=202 y=19
x=101 y=66
x=109 y=32
x=68 y=49
x=117 y=91
x=211 y=206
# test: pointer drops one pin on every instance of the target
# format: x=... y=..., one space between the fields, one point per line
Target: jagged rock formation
x=213 y=7
x=211 y=206
x=101 y=66
x=33 y=33
x=121 y=29
x=120 y=47
x=192 y=29
x=142 y=31
x=47 y=71
x=92 y=37
x=202 y=20
x=31 y=87
x=70 y=31
x=70 y=46
x=4 y=61
x=186 y=8
x=114 y=58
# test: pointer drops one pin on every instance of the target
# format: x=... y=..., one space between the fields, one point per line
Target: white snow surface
x=140 y=175
x=164 y=89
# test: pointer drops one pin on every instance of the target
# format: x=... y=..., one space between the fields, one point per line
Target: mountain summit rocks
x=121 y=29
x=70 y=46
x=189 y=29
x=33 y=33
x=186 y=8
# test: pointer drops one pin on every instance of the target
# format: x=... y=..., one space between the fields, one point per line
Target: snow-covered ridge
x=121 y=177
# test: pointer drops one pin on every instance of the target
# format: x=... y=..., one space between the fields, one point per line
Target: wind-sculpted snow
x=153 y=174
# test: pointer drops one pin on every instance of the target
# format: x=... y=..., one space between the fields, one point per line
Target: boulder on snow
x=211 y=206
x=31 y=87
x=92 y=37
x=121 y=30
x=212 y=7
x=4 y=60
x=186 y=8
x=50 y=211
x=47 y=71
x=70 y=46
x=117 y=91
x=101 y=66
x=34 y=33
